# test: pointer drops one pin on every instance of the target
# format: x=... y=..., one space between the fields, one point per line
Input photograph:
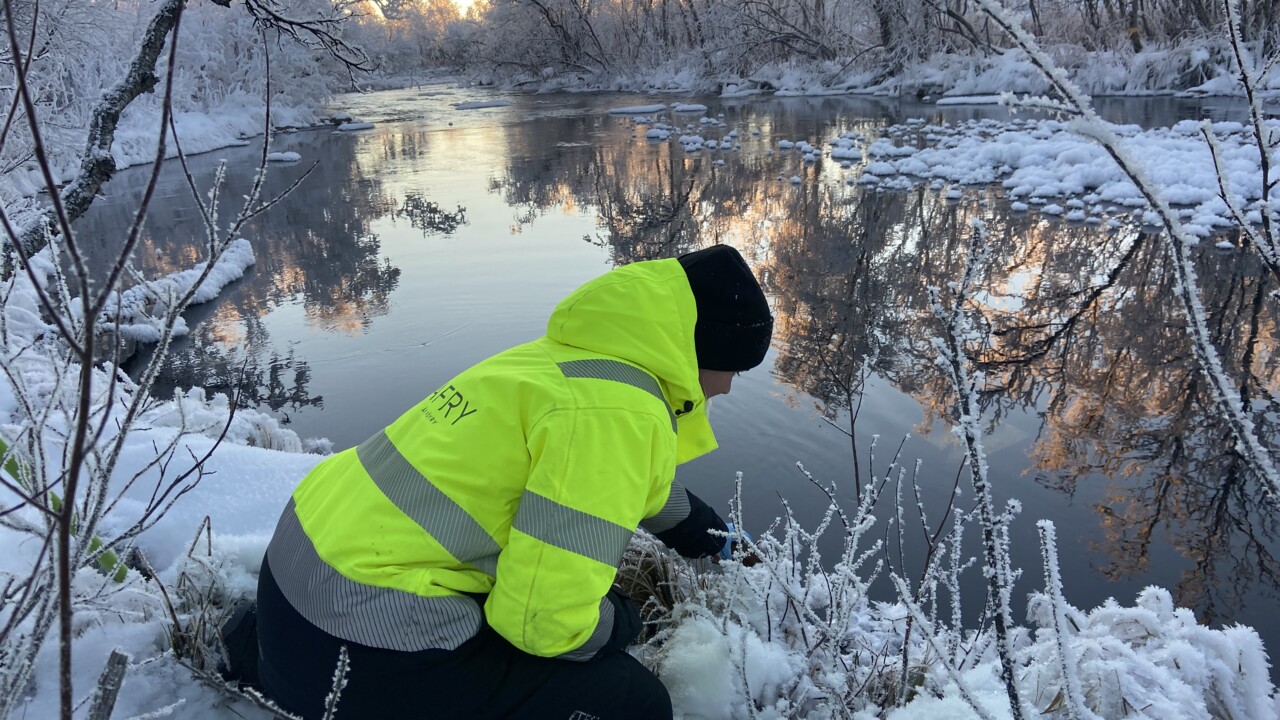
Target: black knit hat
x=734 y=323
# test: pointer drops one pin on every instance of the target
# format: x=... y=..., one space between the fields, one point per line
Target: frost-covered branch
x=1071 y=690
x=954 y=359
x=1266 y=138
x=62 y=328
x=969 y=696
x=96 y=165
x=1178 y=244
x=340 y=671
x=104 y=697
x=322 y=31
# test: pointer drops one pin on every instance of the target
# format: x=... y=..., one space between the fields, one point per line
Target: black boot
x=240 y=637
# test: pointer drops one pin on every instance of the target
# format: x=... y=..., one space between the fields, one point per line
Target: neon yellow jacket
x=522 y=479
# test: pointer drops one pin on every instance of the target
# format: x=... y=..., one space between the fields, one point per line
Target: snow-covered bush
x=1150 y=660
x=89 y=460
x=794 y=637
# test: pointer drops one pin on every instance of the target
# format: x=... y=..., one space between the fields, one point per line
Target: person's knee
x=660 y=699
x=647 y=695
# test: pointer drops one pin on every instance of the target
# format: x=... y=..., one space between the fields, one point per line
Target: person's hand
x=731 y=543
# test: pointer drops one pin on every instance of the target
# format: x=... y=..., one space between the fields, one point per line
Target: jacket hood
x=644 y=313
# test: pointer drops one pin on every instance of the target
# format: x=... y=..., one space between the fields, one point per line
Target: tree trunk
x=96 y=164
x=884 y=15
x=1035 y=18
x=1135 y=34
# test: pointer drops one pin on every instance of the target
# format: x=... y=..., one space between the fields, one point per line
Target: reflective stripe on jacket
x=522 y=479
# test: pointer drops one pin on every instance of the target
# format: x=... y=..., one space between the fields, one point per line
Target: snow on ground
x=288 y=156
x=355 y=125
x=228 y=125
x=242 y=497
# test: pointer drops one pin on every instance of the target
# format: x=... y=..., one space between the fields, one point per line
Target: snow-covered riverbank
x=1194 y=69
x=770 y=640
x=789 y=638
x=779 y=640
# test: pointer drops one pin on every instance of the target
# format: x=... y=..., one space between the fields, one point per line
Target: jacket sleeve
x=592 y=477
x=683 y=522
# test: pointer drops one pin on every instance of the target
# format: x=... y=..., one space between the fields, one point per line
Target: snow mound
x=142 y=307
x=637 y=109
x=969 y=100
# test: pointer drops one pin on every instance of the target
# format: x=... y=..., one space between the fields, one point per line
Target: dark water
x=422 y=246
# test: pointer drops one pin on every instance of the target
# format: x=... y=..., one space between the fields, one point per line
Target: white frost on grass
x=768 y=642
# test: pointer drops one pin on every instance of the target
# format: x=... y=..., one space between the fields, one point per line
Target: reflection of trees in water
x=653 y=199
x=228 y=364
x=426 y=215
x=1131 y=405
x=648 y=197
x=649 y=218
x=316 y=248
x=1082 y=330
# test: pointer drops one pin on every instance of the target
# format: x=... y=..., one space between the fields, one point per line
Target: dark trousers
x=485 y=677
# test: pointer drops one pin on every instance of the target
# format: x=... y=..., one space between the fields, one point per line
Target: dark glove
x=690 y=538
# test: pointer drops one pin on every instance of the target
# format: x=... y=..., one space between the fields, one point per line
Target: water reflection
x=425 y=215
x=1085 y=353
x=317 y=250
x=1084 y=333
x=1126 y=402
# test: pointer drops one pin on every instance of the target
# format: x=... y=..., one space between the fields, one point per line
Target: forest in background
x=731 y=47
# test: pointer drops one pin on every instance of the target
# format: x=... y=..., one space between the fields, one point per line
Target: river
x=442 y=236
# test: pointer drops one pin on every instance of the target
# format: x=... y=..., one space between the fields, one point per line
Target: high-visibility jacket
x=519 y=481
